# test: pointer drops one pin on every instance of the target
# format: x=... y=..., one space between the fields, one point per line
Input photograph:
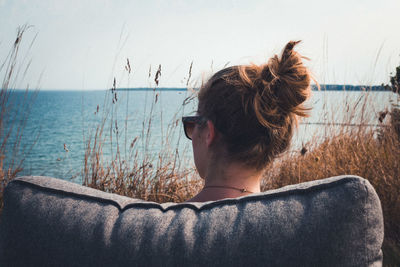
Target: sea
x=50 y=130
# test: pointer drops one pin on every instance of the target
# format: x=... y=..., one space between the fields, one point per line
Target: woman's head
x=254 y=108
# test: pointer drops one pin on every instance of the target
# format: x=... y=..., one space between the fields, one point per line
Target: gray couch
x=331 y=222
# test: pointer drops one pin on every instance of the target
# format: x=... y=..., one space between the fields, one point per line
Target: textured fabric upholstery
x=331 y=222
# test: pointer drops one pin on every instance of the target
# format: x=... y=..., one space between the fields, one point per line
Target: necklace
x=243 y=190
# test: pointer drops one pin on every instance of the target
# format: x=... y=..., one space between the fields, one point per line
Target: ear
x=211 y=133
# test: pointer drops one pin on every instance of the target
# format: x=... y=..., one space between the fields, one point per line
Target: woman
x=246 y=117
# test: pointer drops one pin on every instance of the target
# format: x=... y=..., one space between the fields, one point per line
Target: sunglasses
x=190 y=122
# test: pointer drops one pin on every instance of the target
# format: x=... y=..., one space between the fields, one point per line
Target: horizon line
x=332 y=87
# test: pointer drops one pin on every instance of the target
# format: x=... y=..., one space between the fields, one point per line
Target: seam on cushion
x=150 y=205
x=67 y=193
x=211 y=205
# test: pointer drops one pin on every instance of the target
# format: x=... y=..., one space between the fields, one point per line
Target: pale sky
x=84 y=44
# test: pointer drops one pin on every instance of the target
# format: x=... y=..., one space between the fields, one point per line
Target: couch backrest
x=330 y=222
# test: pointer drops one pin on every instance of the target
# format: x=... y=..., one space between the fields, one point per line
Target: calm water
x=71 y=117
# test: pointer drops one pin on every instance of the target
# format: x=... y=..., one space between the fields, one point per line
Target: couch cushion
x=330 y=222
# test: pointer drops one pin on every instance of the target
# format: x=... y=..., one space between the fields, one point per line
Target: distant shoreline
x=323 y=87
x=151 y=89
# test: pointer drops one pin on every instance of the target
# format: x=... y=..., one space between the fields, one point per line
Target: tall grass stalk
x=14 y=112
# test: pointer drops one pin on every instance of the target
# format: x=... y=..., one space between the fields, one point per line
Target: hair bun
x=288 y=80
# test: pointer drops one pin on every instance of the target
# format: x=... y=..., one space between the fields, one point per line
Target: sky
x=84 y=44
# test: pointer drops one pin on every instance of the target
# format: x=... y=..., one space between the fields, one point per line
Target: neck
x=234 y=175
x=231 y=181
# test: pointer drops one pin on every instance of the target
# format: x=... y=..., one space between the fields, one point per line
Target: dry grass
x=164 y=181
